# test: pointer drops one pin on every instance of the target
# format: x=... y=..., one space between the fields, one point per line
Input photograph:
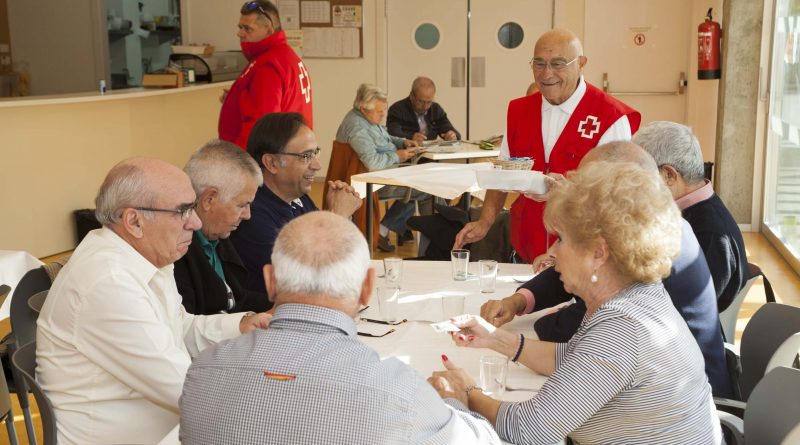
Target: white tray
x=529 y=181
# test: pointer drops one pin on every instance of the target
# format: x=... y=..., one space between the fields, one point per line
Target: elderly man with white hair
x=211 y=276
x=680 y=161
x=308 y=379
x=113 y=340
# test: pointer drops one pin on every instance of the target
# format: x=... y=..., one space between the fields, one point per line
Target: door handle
x=458 y=72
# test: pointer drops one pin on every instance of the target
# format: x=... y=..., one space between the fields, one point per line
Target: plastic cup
x=487 y=273
x=393 y=268
x=459 y=258
x=494 y=371
x=388 y=297
x=452 y=305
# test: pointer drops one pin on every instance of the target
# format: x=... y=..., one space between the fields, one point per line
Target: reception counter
x=56 y=150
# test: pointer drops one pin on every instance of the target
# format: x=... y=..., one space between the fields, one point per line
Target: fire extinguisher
x=708 y=49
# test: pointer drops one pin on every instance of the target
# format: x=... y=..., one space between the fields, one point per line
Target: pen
x=363 y=309
x=390 y=323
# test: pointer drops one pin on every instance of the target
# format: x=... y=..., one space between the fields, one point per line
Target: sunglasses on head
x=254 y=6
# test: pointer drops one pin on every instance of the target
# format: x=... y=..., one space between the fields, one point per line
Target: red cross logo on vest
x=589 y=127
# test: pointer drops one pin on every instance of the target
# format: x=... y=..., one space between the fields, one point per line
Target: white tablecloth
x=439 y=179
x=13 y=265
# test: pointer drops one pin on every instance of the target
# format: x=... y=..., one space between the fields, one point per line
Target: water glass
x=388 y=302
x=393 y=268
x=459 y=258
x=452 y=305
x=487 y=273
x=494 y=371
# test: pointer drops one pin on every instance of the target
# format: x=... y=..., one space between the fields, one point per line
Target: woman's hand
x=451 y=383
x=406 y=153
x=478 y=333
x=407 y=143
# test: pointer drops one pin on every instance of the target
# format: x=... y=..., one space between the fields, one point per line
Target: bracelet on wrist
x=472 y=387
x=519 y=348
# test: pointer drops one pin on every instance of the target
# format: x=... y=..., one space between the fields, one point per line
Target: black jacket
x=402 y=120
x=204 y=293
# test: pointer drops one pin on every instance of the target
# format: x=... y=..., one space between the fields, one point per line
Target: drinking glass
x=487 y=270
x=394 y=270
x=388 y=302
x=452 y=305
x=494 y=370
x=459 y=258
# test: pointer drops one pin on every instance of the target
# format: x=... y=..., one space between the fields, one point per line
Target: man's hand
x=500 y=312
x=342 y=199
x=472 y=232
x=250 y=323
x=418 y=137
x=224 y=95
x=449 y=136
x=550 y=180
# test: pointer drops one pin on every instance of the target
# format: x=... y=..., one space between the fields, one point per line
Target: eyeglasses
x=306 y=156
x=251 y=7
x=185 y=211
x=555 y=64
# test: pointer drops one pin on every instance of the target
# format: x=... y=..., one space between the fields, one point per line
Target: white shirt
x=114 y=344
x=555 y=117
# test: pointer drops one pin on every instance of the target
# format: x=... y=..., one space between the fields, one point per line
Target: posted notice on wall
x=347 y=16
x=316 y=12
x=290 y=13
x=331 y=42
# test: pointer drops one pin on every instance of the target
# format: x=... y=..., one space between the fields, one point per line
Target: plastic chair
x=24 y=361
x=772 y=414
x=23 y=331
x=5 y=397
x=730 y=315
x=767 y=341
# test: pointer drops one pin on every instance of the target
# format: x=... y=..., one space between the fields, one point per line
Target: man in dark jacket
x=418 y=117
x=211 y=276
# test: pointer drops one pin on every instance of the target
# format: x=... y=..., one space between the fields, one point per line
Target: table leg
x=369 y=217
x=465 y=201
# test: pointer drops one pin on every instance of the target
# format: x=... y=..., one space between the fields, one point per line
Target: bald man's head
x=557 y=64
x=620 y=151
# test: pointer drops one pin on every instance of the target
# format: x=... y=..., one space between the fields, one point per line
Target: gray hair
x=307 y=260
x=673 y=144
x=125 y=186
x=224 y=166
x=366 y=96
x=420 y=83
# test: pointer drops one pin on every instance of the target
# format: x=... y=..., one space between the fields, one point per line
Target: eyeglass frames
x=306 y=156
x=184 y=211
x=251 y=7
x=555 y=64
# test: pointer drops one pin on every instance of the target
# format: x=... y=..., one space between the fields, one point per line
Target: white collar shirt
x=114 y=344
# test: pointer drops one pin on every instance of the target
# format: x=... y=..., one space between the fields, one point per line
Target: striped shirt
x=632 y=374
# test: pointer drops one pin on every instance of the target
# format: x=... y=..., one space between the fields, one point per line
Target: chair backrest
x=767 y=330
x=345 y=163
x=36 y=301
x=730 y=315
x=773 y=410
x=23 y=319
x=4 y=290
x=24 y=361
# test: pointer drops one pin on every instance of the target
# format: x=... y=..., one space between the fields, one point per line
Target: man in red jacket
x=555 y=127
x=275 y=80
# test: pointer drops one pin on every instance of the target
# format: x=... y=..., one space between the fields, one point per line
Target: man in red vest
x=556 y=133
x=275 y=80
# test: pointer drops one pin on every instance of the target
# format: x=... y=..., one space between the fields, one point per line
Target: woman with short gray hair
x=363 y=129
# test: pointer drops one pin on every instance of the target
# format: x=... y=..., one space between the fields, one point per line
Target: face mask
x=251 y=50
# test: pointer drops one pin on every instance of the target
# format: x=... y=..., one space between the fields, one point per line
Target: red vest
x=595 y=113
x=276 y=80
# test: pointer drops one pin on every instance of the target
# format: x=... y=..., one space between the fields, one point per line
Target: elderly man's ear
x=366 y=287
x=269 y=281
x=132 y=222
x=670 y=174
x=206 y=199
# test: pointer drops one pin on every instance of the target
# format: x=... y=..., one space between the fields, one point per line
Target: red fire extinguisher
x=708 y=49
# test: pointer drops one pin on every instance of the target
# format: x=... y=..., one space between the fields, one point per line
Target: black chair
x=36 y=301
x=24 y=361
x=5 y=397
x=23 y=330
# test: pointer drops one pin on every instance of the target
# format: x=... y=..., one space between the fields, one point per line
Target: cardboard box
x=172 y=78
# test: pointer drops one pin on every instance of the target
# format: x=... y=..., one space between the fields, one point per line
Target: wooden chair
x=344 y=163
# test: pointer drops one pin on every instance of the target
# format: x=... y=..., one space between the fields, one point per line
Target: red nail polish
x=444 y=358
